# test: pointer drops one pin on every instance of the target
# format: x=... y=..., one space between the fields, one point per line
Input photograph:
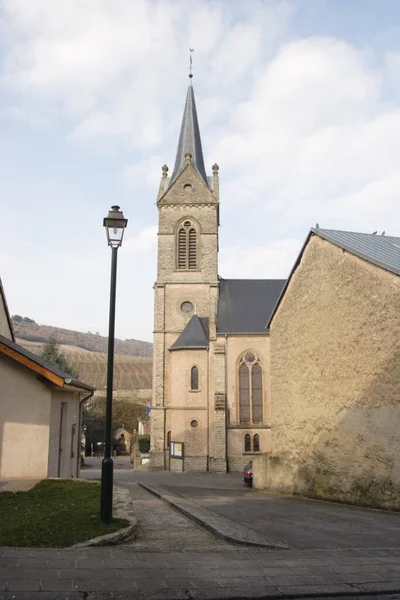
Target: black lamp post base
x=107 y=467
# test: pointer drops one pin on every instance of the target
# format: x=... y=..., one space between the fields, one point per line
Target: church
x=211 y=397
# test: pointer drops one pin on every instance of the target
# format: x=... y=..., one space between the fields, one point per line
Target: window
x=256 y=443
x=194 y=424
x=187 y=246
x=247 y=443
x=168 y=439
x=250 y=389
x=194 y=378
x=186 y=306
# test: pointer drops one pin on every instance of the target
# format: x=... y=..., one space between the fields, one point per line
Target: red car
x=248 y=474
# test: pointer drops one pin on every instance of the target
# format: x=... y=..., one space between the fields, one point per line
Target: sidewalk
x=175 y=559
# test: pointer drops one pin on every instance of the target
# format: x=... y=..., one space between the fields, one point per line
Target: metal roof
x=245 y=305
x=195 y=335
x=381 y=250
x=189 y=141
x=50 y=367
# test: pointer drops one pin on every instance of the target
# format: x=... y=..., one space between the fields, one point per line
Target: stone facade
x=206 y=420
x=335 y=372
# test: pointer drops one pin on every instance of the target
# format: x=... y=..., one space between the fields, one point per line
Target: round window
x=186 y=307
x=194 y=423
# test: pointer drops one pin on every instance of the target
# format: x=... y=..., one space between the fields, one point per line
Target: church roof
x=245 y=305
x=194 y=336
x=189 y=141
x=381 y=250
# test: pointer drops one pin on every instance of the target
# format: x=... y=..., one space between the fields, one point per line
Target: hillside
x=38 y=334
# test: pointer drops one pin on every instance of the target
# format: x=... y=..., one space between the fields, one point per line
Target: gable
x=188 y=188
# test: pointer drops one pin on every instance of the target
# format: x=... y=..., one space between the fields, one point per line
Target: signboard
x=176 y=450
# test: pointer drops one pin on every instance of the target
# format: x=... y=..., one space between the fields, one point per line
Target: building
x=40 y=411
x=210 y=404
x=335 y=371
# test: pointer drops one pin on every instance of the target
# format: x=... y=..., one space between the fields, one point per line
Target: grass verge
x=54 y=514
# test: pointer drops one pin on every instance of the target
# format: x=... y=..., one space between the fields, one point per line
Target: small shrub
x=144 y=444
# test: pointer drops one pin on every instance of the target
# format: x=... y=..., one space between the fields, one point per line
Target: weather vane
x=191 y=50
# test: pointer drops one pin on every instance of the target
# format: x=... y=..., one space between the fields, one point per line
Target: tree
x=51 y=353
x=125 y=412
x=17 y=318
x=28 y=320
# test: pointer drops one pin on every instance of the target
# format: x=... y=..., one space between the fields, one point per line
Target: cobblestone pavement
x=159 y=526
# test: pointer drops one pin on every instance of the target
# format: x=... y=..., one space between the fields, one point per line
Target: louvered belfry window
x=250 y=389
x=187 y=246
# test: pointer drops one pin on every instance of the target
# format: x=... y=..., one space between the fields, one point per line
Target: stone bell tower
x=185 y=303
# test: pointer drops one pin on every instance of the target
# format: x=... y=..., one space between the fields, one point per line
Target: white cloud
x=313 y=135
x=146 y=240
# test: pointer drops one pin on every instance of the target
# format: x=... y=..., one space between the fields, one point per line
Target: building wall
x=335 y=372
x=183 y=405
x=64 y=457
x=174 y=407
x=237 y=345
x=4 y=324
x=24 y=422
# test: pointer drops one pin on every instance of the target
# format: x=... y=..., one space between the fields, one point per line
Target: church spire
x=189 y=139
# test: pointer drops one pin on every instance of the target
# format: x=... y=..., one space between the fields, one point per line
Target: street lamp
x=115 y=225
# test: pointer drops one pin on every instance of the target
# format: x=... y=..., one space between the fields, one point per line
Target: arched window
x=194 y=378
x=168 y=439
x=256 y=443
x=187 y=246
x=247 y=443
x=250 y=389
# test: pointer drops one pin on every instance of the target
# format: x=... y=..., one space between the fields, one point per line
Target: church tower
x=185 y=306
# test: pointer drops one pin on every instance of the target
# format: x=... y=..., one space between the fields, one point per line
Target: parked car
x=248 y=474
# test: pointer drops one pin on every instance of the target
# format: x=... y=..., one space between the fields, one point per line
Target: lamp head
x=115 y=225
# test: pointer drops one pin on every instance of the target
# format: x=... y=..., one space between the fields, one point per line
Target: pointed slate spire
x=189 y=140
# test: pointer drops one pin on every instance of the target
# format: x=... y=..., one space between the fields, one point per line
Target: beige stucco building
x=210 y=404
x=335 y=371
x=40 y=411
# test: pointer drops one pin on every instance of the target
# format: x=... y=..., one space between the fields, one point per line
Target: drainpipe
x=78 y=458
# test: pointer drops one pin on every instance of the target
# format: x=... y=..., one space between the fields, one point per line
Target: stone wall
x=335 y=372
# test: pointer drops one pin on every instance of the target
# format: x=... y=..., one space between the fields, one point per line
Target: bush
x=144 y=444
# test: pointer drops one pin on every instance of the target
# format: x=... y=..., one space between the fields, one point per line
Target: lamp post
x=115 y=225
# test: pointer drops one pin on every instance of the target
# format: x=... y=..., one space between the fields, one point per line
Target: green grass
x=54 y=514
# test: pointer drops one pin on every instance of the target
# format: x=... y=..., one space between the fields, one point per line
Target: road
x=301 y=524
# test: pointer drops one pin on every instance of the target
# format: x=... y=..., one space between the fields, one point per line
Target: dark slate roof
x=245 y=305
x=42 y=363
x=189 y=140
x=4 y=300
x=195 y=335
x=381 y=250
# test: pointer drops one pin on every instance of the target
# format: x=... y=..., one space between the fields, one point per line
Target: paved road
x=302 y=524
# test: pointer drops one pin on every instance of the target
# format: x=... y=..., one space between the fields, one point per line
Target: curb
x=122 y=509
x=217 y=524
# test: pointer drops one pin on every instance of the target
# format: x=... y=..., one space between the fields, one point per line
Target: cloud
x=146 y=240
x=314 y=134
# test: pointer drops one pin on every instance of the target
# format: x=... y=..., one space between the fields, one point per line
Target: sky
x=298 y=102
